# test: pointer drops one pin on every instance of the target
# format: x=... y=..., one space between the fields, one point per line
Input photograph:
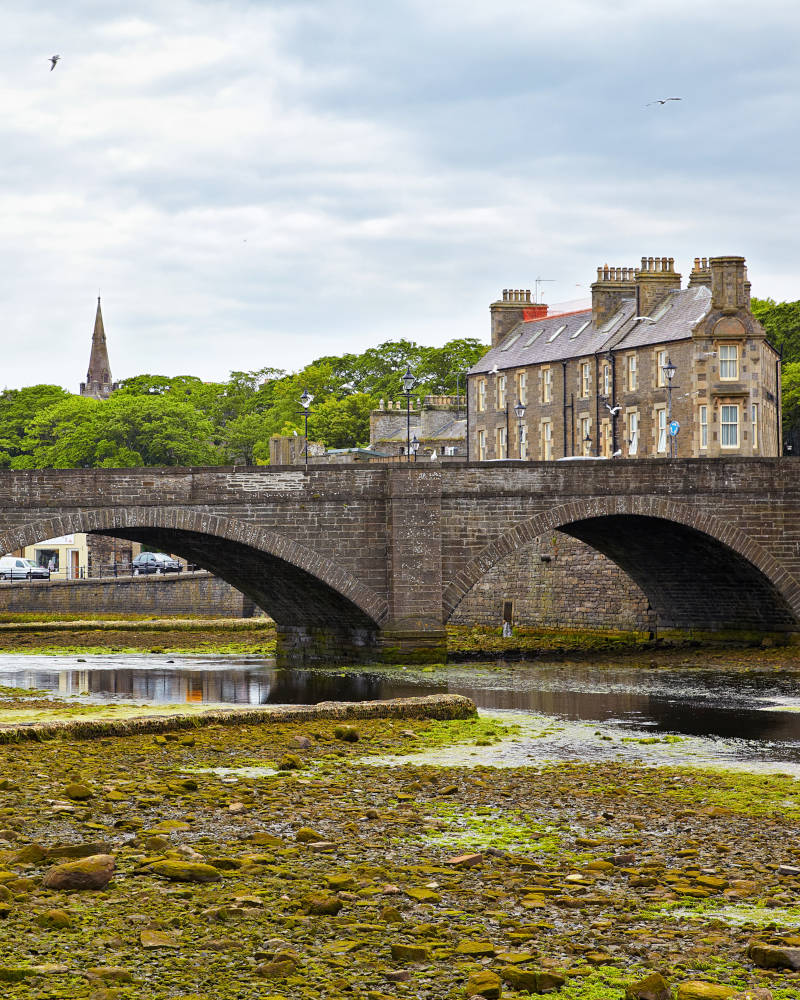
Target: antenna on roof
x=537 y=287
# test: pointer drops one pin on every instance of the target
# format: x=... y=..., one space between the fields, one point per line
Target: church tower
x=98 y=382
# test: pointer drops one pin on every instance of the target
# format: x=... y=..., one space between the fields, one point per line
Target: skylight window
x=534 y=338
x=662 y=309
x=580 y=330
x=511 y=340
x=553 y=336
x=615 y=320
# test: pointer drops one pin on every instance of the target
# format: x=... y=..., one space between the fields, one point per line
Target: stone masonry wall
x=556 y=582
x=187 y=593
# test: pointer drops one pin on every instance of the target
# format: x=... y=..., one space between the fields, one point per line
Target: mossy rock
x=694 y=989
x=485 y=984
x=305 y=835
x=78 y=792
x=322 y=904
x=290 y=762
x=347 y=734
x=652 y=987
x=54 y=920
x=94 y=872
x=410 y=952
x=184 y=871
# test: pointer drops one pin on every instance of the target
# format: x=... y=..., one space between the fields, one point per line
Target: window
x=553 y=335
x=607 y=381
x=547 y=384
x=511 y=341
x=729 y=426
x=633 y=432
x=502 y=443
x=534 y=337
x=754 y=418
x=632 y=376
x=522 y=388
x=481 y=394
x=703 y=426
x=661 y=360
x=586 y=378
x=501 y=392
x=605 y=438
x=661 y=427
x=728 y=362
x=481 y=446
x=522 y=443
x=547 y=440
x=586 y=435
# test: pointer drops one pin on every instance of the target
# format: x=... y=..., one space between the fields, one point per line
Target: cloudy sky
x=261 y=182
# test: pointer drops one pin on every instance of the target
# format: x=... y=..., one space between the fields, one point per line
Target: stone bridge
x=371 y=561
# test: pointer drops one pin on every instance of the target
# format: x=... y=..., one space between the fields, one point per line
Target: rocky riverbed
x=230 y=862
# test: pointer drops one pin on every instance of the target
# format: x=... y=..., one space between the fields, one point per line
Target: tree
x=17 y=408
x=342 y=423
x=246 y=438
x=791 y=406
x=781 y=320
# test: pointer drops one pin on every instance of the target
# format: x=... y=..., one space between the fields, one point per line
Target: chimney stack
x=700 y=274
x=613 y=286
x=515 y=307
x=729 y=284
x=655 y=279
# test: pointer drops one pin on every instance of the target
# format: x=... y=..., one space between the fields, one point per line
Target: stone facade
x=359 y=561
x=593 y=382
x=196 y=594
x=438 y=423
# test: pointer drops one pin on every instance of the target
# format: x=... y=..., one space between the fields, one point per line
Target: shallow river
x=566 y=710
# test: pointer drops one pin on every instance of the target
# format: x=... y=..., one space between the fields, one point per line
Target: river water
x=655 y=712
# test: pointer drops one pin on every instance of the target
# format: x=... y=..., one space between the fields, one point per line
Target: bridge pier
x=401 y=642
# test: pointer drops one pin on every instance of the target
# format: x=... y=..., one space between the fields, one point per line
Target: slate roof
x=454 y=429
x=573 y=335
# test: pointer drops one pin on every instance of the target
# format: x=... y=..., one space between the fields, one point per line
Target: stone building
x=436 y=423
x=596 y=382
x=98 y=382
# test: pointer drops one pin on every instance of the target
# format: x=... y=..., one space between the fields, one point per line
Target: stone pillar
x=414 y=632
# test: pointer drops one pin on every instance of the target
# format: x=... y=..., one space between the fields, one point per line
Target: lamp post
x=519 y=409
x=409 y=383
x=305 y=401
x=414 y=446
x=669 y=374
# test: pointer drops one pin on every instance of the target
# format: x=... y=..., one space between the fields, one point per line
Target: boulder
x=93 y=872
x=695 y=989
x=773 y=956
x=484 y=984
x=410 y=953
x=652 y=987
x=184 y=871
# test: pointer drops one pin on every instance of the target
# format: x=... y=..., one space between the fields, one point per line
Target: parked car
x=16 y=568
x=155 y=562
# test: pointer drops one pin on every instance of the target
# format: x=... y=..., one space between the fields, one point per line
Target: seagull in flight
x=657 y=101
x=53 y=62
x=613 y=410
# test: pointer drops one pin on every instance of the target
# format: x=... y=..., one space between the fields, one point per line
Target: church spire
x=98 y=382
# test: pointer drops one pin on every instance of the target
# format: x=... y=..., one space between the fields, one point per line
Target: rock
x=184 y=871
x=772 y=956
x=155 y=845
x=93 y=872
x=791 y=870
x=465 y=861
x=424 y=895
x=348 y=734
x=522 y=980
x=290 y=762
x=278 y=968
x=31 y=854
x=6 y=895
x=14 y=974
x=484 y=984
x=114 y=973
x=79 y=850
x=475 y=949
x=322 y=904
x=305 y=835
x=78 y=792
x=54 y=919
x=549 y=982
x=696 y=990
x=754 y=993
x=410 y=953
x=150 y=938
x=303 y=742
x=391 y=915
x=652 y=987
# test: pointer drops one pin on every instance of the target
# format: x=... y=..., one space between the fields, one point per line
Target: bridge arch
x=697 y=570
x=294 y=584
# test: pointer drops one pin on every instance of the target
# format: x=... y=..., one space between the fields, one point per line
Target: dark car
x=155 y=562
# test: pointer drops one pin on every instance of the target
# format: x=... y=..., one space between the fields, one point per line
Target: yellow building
x=66 y=556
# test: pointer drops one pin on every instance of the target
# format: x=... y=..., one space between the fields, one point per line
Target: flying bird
x=53 y=61
x=658 y=101
x=613 y=410
x=494 y=370
x=643 y=319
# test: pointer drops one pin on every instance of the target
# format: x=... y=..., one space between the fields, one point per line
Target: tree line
x=781 y=320
x=154 y=420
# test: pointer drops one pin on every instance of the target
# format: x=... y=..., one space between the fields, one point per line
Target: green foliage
x=181 y=420
x=791 y=404
x=781 y=320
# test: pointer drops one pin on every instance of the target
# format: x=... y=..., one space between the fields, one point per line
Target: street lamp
x=669 y=374
x=519 y=409
x=305 y=401
x=414 y=446
x=409 y=384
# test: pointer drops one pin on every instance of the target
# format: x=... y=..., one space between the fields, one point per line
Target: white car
x=16 y=568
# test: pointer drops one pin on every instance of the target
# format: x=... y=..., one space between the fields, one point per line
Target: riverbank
x=97 y=634
x=274 y=861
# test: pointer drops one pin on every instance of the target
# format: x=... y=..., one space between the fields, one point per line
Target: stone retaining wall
x=198 y=594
